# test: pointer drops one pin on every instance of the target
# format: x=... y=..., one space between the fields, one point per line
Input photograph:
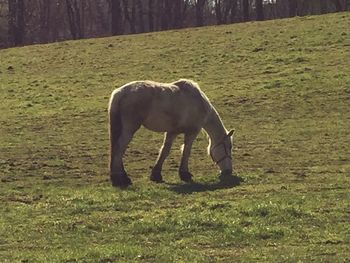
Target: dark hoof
x=186 y=176
x=156 y=176
x=121 y=181
x=230 y=179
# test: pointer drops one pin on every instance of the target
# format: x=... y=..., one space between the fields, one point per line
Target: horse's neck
x=214 y=127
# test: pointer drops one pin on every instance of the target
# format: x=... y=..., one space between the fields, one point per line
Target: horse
x=173 y=108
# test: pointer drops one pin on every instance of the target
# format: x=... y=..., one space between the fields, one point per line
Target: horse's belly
x=160 y=123
x=166 y=122
x=173 y=116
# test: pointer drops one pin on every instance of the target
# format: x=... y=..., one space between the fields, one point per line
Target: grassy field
x=284 y=86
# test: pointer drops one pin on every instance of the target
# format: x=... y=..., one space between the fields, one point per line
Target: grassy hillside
x=284 y=86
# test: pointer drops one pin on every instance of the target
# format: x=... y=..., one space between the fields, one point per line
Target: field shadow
x=196 y=187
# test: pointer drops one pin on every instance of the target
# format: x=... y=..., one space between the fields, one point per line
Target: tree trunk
x=56 y=19
x=82 y=8
x=165 y=13
x=259 y=10
x=131 y=20
x=200 y=12
x=151 y=15
x=16 y=24
x=292 y=4
x=245 y=7
x=158 y=9
x=338 y=5
x=227 y=9
x=133 y=17
x=233 y=10
x=71 y=20
x=347 y=5
x=78 y=20
x=323 y=6
x=116 y=16
x=140 y=16
x=178 y=15
x=73 y=13
x=45 y=11
x=218 y=12
x=104 y=25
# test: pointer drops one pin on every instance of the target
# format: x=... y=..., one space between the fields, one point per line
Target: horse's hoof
x=122 y=182
x=186 y=176
x=156 y=176
x=230 y=179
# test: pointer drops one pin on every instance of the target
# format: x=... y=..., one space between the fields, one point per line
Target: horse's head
x=221 y=153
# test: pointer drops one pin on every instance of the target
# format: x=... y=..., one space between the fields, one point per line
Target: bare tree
x=179 y=13
x=233 y=10
x=44 y=16
x=224 y=10
x=323 y=6
x=116 y=17
x=151 y=15
x=338 y=5
x=199 y=5
x=245 y=10
x=42 y=21
x=16 y=24
x=218 y=11
x=74 y=19
x=259 y=10
x=165 y=13
x=130 y=14
x=140 y=16
x=103 y=22
x=292 y=8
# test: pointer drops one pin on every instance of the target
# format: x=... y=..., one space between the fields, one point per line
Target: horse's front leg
x=184 y=173
x=156 y=175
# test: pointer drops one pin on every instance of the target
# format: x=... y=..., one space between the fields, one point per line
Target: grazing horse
x=173 y=108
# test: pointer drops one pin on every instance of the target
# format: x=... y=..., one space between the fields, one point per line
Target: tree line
x=43 y=21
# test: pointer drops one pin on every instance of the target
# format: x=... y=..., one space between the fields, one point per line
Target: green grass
x=284 y=85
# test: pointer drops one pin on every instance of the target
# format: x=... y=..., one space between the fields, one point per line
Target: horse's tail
x=115 y=123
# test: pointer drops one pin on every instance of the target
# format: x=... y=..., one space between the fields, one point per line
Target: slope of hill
x=284 y=85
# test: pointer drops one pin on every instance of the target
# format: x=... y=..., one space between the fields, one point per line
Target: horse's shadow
x=196 y=187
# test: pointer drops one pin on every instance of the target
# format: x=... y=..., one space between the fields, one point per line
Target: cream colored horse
x=173 y=108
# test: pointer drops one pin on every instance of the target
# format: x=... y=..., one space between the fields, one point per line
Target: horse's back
x=177 y=106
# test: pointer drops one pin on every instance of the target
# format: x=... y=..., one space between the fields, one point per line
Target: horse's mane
x=197 y=90
x=185 y=83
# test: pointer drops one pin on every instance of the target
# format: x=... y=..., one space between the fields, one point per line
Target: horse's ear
x=230 y=133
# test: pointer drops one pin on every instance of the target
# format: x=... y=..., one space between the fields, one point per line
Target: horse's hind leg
x=156 y=175
x=118 y=175
x=184 y=174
